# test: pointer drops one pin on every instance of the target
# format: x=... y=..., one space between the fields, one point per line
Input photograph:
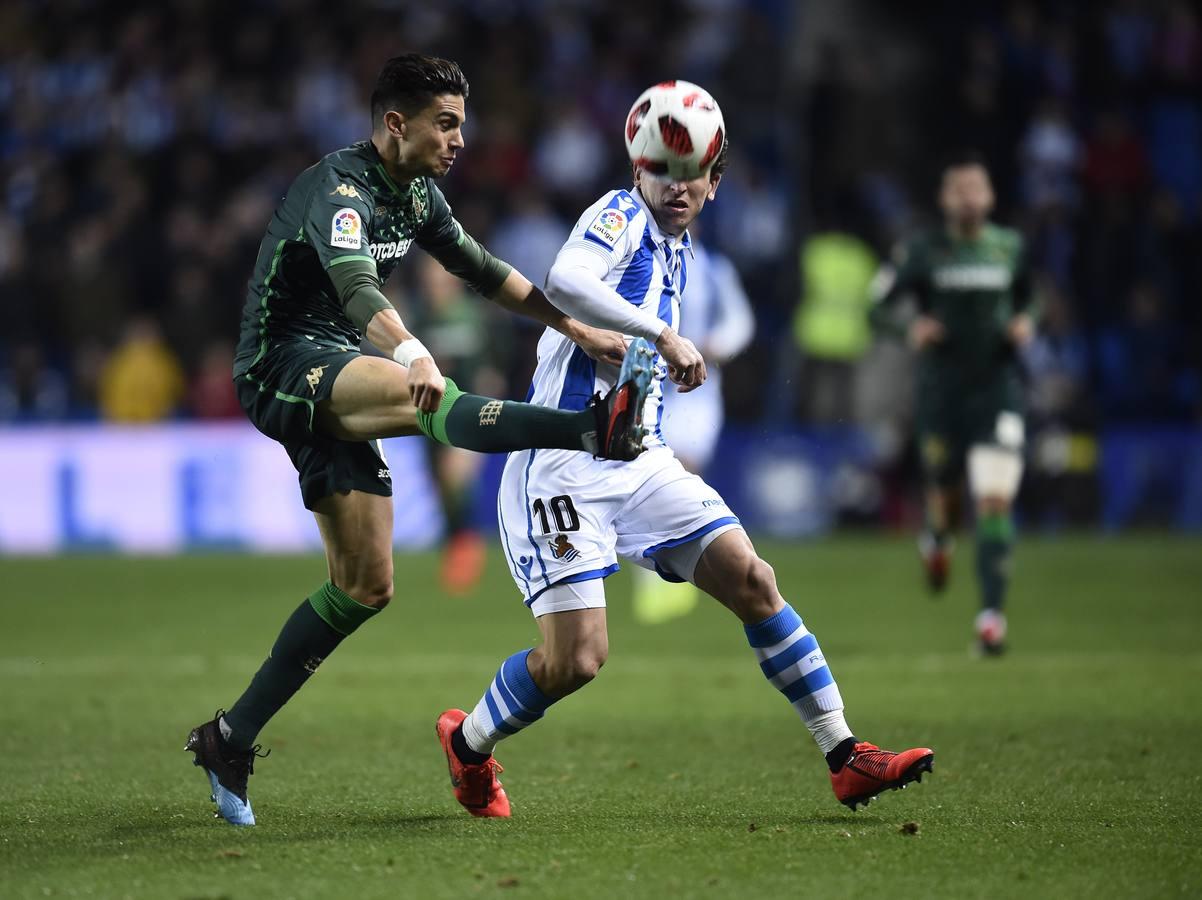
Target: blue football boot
x=228 y=769
x=620 y=413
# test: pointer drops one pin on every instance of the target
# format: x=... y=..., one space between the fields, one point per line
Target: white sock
x=829 y=730
x=476 y=739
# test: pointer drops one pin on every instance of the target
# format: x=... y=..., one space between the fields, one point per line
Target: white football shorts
x=565 y=518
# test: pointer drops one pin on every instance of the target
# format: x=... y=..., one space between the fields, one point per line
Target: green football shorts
x=280 y=395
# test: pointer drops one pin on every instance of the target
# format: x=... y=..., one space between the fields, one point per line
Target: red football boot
x=870 y=771
x=936 y=561
x=463 y=563
x=476 y=787
x=619 y=413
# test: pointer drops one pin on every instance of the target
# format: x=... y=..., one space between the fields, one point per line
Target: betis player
x=973 y=292
x=342 y=228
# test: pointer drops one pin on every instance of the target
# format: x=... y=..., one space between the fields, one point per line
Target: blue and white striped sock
x=511 y=702
x=791 y=659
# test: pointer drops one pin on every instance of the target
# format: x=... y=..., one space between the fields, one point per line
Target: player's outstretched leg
x=792 y=661
x=610 y=427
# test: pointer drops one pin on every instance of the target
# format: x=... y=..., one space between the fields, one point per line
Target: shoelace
x=871 y=761
x=481 y=778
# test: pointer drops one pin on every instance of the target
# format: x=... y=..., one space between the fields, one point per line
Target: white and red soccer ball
x=675 y=128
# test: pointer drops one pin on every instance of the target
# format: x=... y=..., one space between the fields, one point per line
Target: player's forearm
x=517 y=295
x=887 y=288
x=584 y=296
x=386 y=331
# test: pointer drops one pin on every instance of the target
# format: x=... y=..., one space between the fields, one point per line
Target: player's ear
x=638 y=175
x=714 y=182
x=394 y=123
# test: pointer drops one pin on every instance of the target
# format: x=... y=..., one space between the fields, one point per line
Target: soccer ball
x=675 y=128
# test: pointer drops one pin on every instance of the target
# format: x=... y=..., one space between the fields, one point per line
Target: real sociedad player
x=566 y=517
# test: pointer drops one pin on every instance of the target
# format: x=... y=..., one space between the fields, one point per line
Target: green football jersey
x=974 y=288
x=346 y=207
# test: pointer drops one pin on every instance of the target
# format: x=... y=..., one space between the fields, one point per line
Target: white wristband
x=408 y=351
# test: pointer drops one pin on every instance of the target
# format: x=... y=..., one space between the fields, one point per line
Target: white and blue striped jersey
x=647 y=269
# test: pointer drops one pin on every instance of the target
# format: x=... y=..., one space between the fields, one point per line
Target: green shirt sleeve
x=337 y=216
x=904 y=275
x=1022 y=287
x=460 y=254
x=358 y=285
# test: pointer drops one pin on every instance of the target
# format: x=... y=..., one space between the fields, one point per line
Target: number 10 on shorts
x=558 y=510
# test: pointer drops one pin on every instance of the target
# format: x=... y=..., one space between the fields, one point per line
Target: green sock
x=311 y=633
x=495 y=426
x=995 y=541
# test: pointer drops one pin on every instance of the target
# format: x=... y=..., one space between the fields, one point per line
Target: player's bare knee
x=372 y=586
x=572 y=671
x=755 y=596
x=376 y=594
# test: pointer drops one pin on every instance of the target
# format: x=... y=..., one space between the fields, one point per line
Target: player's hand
x=1020 y=330
x=603 y=346
x=925 y=331
x=426 y=384
x=686 y=366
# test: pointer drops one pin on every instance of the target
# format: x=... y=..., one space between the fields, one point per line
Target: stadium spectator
x=142 y=380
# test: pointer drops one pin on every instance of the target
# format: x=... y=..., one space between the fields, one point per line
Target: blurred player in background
x=973 y=293
x=716 y=316
x=339 y=232
x=470 y=348
x=566 y=517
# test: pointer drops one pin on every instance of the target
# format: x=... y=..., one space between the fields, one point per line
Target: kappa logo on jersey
x=390 y=250
x=346 y=230
x=314 y=377
x=608 y=226
x=345 y=190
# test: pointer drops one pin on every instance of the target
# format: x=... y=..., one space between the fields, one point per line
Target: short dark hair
x=408 y=83
x=963 y=158
x=718 y=166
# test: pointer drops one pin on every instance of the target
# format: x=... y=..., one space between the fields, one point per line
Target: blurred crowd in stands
x=142 y=151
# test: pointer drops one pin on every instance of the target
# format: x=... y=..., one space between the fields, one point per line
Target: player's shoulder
x=613 y=216
x=915 y=247
x=348 y=166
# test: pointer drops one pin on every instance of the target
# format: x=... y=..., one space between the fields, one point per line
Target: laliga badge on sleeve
x=608 y=226
x=346 y=230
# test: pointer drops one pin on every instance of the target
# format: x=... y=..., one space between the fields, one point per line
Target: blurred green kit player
x=973 y=292
x=341 y=229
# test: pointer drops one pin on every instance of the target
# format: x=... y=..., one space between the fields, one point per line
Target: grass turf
x=1068 y=767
